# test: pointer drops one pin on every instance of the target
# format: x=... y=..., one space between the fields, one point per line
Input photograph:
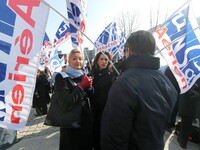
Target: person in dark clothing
x=41 y=96
x=73 y=87
x=102 y=81
x=140 y=101
x=189 y=106
x=172 y=122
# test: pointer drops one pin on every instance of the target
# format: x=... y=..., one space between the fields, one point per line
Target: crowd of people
x=126 y=111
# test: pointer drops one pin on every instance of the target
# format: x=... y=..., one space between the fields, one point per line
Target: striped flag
x=108 y=40
x=76 y=10
x=62 y=31
x=179 y=42
x=120 y=47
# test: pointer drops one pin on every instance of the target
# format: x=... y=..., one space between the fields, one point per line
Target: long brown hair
x=108 y=54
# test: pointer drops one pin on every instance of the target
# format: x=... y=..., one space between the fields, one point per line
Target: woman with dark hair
x=41 y=96
x=103 y=79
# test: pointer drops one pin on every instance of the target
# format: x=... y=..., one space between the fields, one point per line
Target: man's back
x=154 y=102
x=138 y=109
x=140 y=101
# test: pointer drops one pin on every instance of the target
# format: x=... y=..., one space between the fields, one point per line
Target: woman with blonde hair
x=71 y=88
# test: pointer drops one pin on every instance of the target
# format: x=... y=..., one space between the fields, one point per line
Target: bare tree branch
x=128 y=21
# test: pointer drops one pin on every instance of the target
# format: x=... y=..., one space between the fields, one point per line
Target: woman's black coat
x=69 y=94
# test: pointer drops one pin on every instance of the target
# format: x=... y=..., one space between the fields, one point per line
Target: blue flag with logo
x=55 y=62
x=179 y=42
x=108 y=40
x=76 y=10
x=63 y=29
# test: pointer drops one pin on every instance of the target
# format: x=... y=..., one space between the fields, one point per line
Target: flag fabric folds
x=22 y=29
x=46 y=43
x=55 y=62
x=76 y=10
x=62 y=35
x=44 y=53
x=108 y=40
x=120 y=47
x=49 y=53
x=178 y=40
x=62 y=31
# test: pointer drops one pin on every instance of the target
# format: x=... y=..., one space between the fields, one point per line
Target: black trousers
x=185 y=130
x=75 y=139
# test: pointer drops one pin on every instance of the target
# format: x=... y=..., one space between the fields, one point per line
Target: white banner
x=22 y=29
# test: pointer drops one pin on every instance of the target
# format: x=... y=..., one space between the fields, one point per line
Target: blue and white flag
x=62 y=35
x=44 y=53
x=46 y=43
x=179 y=42
x=108 y=40
x=46 y=38
x=55 y=62
x=76 y=10
x=22 y=29
x=120 y=47
x=62 y=31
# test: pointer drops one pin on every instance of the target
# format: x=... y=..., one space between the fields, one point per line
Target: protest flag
x=22 y=29
x=120 y=47
x=62 y=30
x=44 y=52
x=55 y=62
x=76 y=10
x=178 y=42
x=108 y=40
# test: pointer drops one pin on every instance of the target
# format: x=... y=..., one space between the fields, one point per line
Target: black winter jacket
x=102 y=82
x=189 y=104
x=138 y=107
x=69 y=94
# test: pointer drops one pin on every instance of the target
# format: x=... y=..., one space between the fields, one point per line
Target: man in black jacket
x=188 y=107
x=140 y=101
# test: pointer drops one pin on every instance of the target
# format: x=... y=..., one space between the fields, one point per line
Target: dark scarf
x=97 y=72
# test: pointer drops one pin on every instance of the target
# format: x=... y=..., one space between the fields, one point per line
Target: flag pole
x=78 y=30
